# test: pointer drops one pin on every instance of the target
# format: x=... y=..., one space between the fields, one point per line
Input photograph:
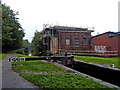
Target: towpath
x=11 y=79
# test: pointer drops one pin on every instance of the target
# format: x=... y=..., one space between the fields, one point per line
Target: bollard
x=65 y=59
x=72 y=59
x=71 y=64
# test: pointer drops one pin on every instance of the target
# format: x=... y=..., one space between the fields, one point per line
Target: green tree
x=26 y=44
x=37 y=44
x=12 y=32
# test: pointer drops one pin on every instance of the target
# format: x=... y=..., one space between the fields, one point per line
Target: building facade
x=59 y=39
x=106 y=44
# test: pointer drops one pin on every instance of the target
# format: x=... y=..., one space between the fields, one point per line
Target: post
x=66 y=59
x=72 y=61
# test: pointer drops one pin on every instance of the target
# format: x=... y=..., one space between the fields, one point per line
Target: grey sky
x=101 y=14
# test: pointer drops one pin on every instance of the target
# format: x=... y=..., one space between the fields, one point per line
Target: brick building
x=106 y=44
x=59 y=39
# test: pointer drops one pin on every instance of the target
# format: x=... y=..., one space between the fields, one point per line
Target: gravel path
x=11 y=79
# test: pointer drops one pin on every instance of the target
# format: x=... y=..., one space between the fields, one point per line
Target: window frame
x=77 y=42
x=85 y=41
x=67 y=41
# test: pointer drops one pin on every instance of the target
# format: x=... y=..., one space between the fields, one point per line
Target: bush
x=43 y=53
x=19 y=51
x=49 y=53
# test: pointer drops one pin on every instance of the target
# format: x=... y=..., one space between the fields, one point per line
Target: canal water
x=105 y=74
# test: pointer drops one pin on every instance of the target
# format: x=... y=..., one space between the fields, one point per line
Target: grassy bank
x=2 y=56
x=35 y=66
x=46 y=75
x=21 y=55
x=100 y=60
x=62 y=81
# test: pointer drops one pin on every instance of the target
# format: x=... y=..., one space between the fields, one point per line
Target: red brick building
x=59 y=39
x=106 y=44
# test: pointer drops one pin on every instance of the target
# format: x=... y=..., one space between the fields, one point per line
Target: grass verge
x=2 y=56
x=55 y=77
x=100 y=60
x=62 y=81
x=35 y=66
x=21 y=55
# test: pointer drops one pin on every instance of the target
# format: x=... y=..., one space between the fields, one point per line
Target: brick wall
x=64 y=35
x=54 y=45
x=110 y=43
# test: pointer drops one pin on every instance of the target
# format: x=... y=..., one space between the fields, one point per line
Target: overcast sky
x=101 y=14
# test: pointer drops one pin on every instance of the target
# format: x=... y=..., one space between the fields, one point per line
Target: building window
x=67 y=41
x=85 y=41
x=76 y=42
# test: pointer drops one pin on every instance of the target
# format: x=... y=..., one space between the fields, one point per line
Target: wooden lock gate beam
x=54 y=58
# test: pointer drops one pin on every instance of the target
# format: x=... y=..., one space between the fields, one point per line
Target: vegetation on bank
x=61 y=81
x=38 y=45
x=35 y=66
x=2 y=56
x=46 y=75
x=100 y=60
x=12 y=32
x=21 y=55
x=18 y=51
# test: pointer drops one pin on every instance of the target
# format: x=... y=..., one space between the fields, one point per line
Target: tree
x=12 y=32
x=37 y=44
x=26 y=44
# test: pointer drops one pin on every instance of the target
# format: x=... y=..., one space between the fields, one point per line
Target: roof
x=109 y=34
x=69 y=28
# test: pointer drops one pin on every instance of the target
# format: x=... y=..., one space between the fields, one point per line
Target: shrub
x=49 y=53
x=19 y=51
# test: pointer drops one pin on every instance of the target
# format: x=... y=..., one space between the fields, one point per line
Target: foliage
x=100 y=60
x=12 y=32
x=26 y=44
x=2 y=56
x=20 y=55
x=37 y=44
x=19 y=51
x=49 y=53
